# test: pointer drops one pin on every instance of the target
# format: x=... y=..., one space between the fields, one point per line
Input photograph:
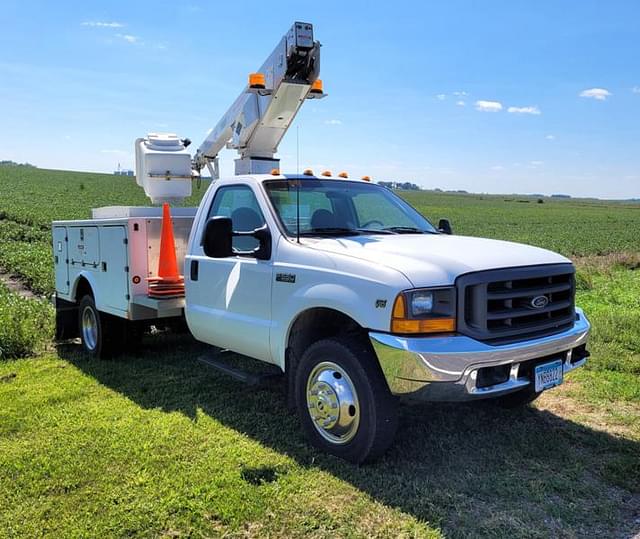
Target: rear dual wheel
x=343 y=401
x=102 y=334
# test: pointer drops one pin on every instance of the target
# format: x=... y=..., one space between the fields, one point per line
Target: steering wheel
x=373 y=222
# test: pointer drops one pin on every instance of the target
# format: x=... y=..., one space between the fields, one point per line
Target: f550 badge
x=286 y=277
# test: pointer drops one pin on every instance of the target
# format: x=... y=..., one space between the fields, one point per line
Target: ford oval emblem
x=539 y=302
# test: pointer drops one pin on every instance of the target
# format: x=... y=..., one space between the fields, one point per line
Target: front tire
x=343 y=401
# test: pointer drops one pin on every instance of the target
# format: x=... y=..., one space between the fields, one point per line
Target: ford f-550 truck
x=339 y=283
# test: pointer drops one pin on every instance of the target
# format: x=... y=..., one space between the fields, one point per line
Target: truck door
x=61 y=259
x=229 y=299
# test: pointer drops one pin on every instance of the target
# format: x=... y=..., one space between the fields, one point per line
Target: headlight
x=430 y=310
x=421 y=303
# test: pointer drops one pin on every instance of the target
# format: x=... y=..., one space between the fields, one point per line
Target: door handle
x=194 y=270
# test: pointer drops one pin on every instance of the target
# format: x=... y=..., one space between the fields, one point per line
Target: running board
x=254 y=379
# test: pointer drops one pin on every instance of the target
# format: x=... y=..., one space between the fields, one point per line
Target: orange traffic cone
x=168 y=283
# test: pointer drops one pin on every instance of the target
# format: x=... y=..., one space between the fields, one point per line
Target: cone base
x=166 y=288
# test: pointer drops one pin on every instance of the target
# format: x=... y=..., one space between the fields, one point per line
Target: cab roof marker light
x=343 y=175
x=308 y=172
x=327 y=173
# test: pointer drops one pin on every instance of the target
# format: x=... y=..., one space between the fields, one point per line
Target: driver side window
x=240 y=204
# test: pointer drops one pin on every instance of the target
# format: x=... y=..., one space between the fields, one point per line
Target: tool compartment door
x=114 y=267
x=83 y=247
x=61 y=259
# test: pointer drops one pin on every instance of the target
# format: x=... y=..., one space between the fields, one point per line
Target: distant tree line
x=14 y=164
x=406 y=186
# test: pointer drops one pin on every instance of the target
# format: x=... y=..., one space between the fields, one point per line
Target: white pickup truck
x=349 y=291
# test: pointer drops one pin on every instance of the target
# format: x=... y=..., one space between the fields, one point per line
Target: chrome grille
x=499 y=306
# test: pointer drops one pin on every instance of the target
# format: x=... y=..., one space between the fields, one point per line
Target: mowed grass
x=158 y=445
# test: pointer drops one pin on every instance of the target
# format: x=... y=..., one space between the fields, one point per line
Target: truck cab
x=318 y=265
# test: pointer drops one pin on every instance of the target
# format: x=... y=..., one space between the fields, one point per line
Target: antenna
x=298 y=183
x=297 y=149
x=298 y=210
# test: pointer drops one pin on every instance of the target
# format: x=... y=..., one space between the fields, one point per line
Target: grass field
x=156 y=444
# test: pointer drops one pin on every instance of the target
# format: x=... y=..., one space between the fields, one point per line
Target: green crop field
x=153 y=444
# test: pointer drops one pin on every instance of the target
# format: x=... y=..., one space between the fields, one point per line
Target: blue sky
x=503 y=96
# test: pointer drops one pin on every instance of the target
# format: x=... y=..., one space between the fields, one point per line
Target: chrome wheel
x=89 y=328
x=332 y=402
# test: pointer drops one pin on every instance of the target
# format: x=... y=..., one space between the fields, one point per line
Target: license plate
x=548 y=375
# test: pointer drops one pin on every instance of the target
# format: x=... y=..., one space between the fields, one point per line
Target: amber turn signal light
x=401 y=324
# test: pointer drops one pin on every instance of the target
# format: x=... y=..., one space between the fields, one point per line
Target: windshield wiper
x=376 y=231
x=406 y=230
x=331 y=231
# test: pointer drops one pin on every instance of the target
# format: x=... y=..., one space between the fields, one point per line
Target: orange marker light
x=343 y=175
x=316 y=87
x=366 y=178
x=327 y=173
x=275 y=172
x=256 y=80
x=308 y=172
x=398 y=307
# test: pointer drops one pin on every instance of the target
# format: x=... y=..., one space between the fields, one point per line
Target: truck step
x=254 y=379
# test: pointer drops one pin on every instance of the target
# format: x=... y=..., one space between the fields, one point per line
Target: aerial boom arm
x=258 y=119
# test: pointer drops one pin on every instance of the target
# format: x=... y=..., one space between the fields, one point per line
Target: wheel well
x=314 y=325
x=83 y=288
x=309 y=327
x=317 y=324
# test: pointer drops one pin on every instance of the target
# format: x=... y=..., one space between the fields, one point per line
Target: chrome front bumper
x=446 y=368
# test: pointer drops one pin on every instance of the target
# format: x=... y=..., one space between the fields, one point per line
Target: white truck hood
x=437 y=259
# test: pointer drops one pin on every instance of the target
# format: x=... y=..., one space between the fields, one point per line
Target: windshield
x=341 y=207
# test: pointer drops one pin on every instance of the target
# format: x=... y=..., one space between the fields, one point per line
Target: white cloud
x=129 y=38
x=99 y=24
x=636 y=89
x=460 y=103
x=550 y=137
x=497 y=168
x=488 y=106
x=460 y=94
x=441 y=97
x=536 y=163
x=333 y=122
x=524 y=110
x=600 y=94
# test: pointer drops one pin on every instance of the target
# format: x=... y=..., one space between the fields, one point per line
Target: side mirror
x=217 y=237
x=444 y=226
x=262 y=234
